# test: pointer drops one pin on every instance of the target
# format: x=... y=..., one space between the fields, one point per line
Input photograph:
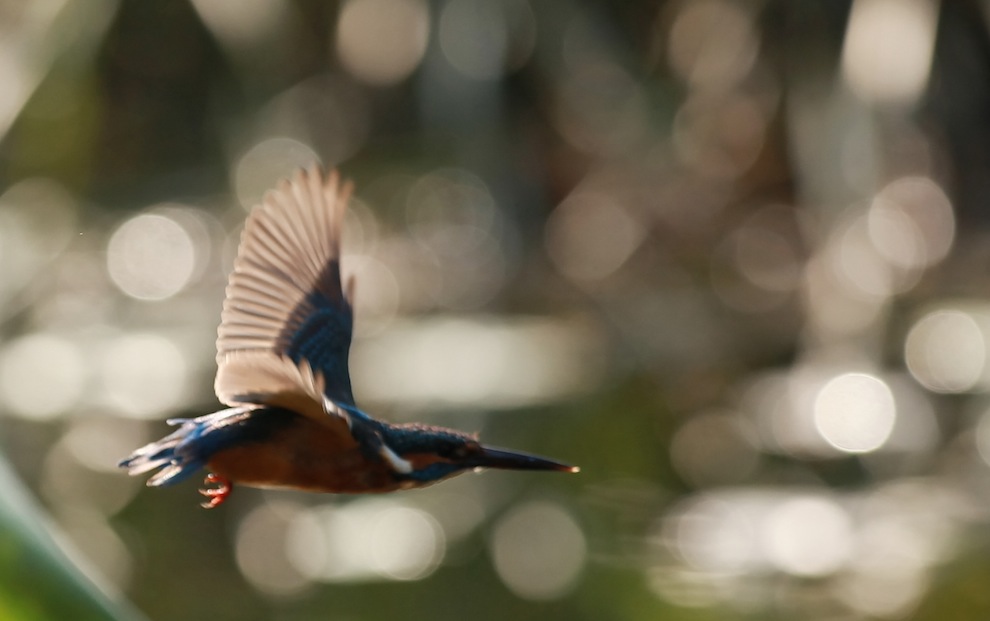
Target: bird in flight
x=282 y=369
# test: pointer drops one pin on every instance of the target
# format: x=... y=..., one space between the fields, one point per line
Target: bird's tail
x=185 y=450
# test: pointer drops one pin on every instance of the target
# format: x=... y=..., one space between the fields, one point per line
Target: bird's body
x=282 y=351
x=281 y=449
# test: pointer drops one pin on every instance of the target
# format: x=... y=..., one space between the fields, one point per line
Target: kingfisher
x=282 y=371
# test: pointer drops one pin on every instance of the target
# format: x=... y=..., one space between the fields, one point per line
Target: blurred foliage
x=37 y=579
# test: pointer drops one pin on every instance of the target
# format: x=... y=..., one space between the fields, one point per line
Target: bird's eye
x=459 y=451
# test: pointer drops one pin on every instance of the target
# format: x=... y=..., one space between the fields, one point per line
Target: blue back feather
x=323 y=339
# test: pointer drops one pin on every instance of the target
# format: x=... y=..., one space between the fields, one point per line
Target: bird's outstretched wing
x=285 y=330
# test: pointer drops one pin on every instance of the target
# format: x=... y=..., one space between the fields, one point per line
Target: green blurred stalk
x=38 y=581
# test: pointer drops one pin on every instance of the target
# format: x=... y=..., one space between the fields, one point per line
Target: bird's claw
x=217 y=494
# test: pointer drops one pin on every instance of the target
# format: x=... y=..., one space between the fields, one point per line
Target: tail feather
x=182 y=452
x=173 y=473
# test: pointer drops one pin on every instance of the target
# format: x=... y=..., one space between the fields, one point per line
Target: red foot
x=216 y=495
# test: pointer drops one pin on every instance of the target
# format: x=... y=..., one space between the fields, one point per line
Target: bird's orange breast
x=307 y=456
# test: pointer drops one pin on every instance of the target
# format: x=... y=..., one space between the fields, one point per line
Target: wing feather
x=259 y=376
x=286 y=324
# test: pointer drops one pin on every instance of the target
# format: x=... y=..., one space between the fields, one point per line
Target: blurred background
x=730 y=257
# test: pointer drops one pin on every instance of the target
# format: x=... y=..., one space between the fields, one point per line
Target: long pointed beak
x=491 y=457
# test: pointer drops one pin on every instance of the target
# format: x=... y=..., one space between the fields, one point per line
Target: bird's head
x=436 y=453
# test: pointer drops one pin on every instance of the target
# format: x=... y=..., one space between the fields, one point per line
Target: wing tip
x=315 y=177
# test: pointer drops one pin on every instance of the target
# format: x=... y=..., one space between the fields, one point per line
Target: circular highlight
x=855 y=412
x=365 y=541
x=144 y=375
x=382 y=41
x=946 y=351
x=808 y=536
x=539 y=551
x=41 y=376
x=151 y=257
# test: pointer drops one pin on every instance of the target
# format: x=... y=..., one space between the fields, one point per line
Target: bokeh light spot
x=716 y=533
x=151 y=257
x=887 y=50
x=837 y=306
x=712 y=44
x=41 y=375
x=766 y=258
x=366 y=540
x=267 y=162
x=453 y=216
x=538 y=550
x=589 y=237
x=331 y=112
x=450 y=198
x=911 y=223
x=855 y=412
x=144 y=375
x=892 y=594
x=97 y=443
x=260 y=549
x=67 y=483
x=857 y=265
x=408 y=544
x=946 y=351
x=808 y=536
x=382 y=41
